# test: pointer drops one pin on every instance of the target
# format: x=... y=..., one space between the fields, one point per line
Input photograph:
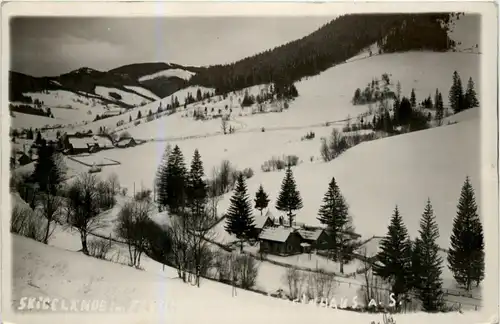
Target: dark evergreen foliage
x=427 y=271
x=289 y=199
x=239 y=219
x=456 y=95
x=334 y=213
x=196 y=191
x=470 y=95
x=261 y=199
x=49 y=170
x=466 y=255
x=413 y=99
x=175 y=177
x=393 y=262
x=331 y=44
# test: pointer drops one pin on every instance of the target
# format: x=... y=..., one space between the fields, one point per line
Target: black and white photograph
x=250 y=168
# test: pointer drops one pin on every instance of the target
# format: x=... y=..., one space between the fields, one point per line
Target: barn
x=126 y=142
x=316 y=238
x=282 y=241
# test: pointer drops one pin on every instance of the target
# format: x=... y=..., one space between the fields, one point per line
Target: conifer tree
x=239 y=219
x=289 y=199
x=130 y=118
x=427 y=273
x=175 y=179
x=456 y=95
x=49 y=170
x=161 y=178
x=439 y=109
x=139 y=115
x=398 y=91
x=436 y=96
x=470 y=95
x=261 y=199
x=394 y=259
x=334 y=213
x=196 y=189
x=413 y=99
x=466 y=255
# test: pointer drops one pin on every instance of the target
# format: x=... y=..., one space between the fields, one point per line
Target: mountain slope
x=331 y=44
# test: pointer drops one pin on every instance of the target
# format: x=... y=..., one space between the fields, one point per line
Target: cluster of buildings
x=277 y=237
x=24 y=151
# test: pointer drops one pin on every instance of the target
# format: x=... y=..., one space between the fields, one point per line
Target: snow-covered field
x=144 y=92
x=126 y=97
x=44 y=271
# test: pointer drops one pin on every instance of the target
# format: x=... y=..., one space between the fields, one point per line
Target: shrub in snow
x=248 y=173
x=276 y=163
x=26 y=222
x=308 y=136
x=99 y=248
x=137 y=122
x=244 y=270
x=143 y=195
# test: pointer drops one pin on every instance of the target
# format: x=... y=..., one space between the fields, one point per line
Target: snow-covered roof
x=276 y=234
x=79 y=142
x=259 y=220
x=312 y=235
x=269 y=214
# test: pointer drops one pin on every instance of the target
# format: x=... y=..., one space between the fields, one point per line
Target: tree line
x=416 y=266
x=331 y=44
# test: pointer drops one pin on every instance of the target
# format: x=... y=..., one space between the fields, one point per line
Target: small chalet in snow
x=282 y=241
x=314 y=238
x=78 y=145
x=126 y=142
x=262 y=222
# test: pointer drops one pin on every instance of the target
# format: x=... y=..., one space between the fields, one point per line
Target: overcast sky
x=51 y=46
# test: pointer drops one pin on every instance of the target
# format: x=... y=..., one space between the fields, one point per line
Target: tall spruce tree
x=439 y=109
x=261 y=199
x=196 y=189
x=161 y=179
x=466 y=255
x=456 y=95
x=427 y=275
x=394 y=259
x=334 y=213
x=289 y=199
x=470 y=95
x=176 y=181
x=239 y=219
x=49 y=170
x=413 y=99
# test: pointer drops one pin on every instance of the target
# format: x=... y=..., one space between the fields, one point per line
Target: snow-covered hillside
x=45 y=271
x=120 y=95
x=178 y=73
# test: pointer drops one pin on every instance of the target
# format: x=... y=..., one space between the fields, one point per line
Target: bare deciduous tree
x=83 y=207
x=133 y=227
x=223 y=124
x=50 y=208
x=114 y=183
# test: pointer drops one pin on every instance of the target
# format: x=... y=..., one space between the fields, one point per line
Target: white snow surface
x=46 y=271
x=144 y=92
x=168 y=73
x=126 y=97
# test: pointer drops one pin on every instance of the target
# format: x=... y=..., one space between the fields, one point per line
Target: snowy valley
x=378 y=161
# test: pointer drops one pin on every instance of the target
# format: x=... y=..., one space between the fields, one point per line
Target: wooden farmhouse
x=315 y=238
x=282 y=241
